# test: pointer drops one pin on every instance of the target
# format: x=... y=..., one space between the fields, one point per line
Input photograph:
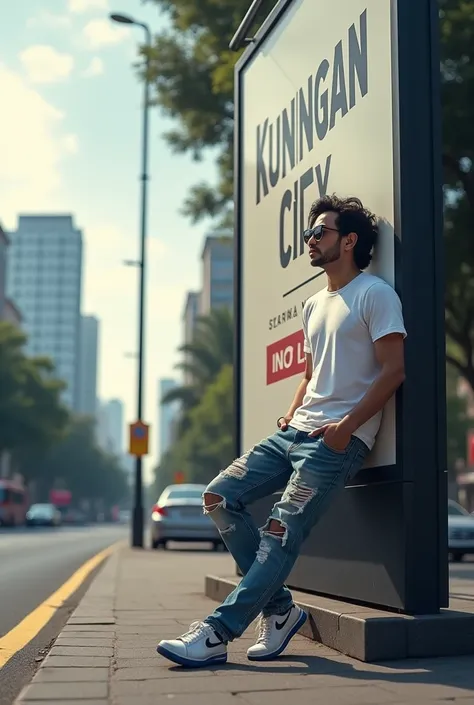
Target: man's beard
x=331 y=255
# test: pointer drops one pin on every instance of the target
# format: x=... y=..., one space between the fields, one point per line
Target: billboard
x=316 y=116
x=332 y=98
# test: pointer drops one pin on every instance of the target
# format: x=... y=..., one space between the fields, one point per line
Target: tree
x=77 y=464
x=192 y=70
x=457 y=76
x=206 y=447
x=458 y=422
x=31 y=412
x=203 y=358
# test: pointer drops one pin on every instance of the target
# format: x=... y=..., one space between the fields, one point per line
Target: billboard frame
x=420 y=471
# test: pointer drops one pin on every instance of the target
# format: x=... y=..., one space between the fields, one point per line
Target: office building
x=87 y=403
x=10 y=313
x=217 y=273
x=4 y=243
x=110 y=422
x=190 y=315
x=44 y=278
x=8 y=309
x=167 y=415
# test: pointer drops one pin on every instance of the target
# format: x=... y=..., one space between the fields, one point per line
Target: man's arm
x=390 y=356
x=300 y=392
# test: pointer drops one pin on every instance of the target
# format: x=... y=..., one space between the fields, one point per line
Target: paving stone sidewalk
x=106 y=653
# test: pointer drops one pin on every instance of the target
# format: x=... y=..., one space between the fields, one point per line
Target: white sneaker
x=275 y=633
x=200 y=646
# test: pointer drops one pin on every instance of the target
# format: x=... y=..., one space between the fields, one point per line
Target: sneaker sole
x=295 y=628
x=190 y=663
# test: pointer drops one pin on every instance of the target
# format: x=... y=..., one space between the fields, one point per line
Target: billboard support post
x=331 y=97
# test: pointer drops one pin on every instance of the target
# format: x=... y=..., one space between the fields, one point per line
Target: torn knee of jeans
x=218 y=503
x=274 y=528
x=227 y=529
x=298 y=494
x=238 y=469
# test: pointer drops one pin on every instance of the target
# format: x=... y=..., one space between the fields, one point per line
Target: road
x=34 y=563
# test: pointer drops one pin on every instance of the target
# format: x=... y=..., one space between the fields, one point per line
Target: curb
x=372 y=635
x=84 y=647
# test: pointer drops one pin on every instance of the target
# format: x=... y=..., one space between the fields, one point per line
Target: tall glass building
x=44 y=278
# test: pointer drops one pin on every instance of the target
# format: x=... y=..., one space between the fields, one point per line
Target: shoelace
x=195 y=632
x=265 y=628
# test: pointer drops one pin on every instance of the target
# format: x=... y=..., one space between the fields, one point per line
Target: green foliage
x=48 y=447
x=457 y=76
x=77 y=464
x=204 y=444
x=30 y=408
x=458 y=422
x=192 y=70
x=203 y=358
x=206 y=447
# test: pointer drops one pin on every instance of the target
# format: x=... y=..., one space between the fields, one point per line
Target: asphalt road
x=34 y=563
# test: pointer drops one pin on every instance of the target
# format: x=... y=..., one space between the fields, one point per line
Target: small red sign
x=60 y=498
x=286 y=357
x=470 y=447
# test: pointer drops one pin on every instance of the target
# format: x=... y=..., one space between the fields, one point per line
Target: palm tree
x=211 y=348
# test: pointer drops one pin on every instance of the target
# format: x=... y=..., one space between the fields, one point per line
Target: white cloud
x=32 y=146
x=48 y=19
x=80 y=6
x=95 y=68
x=102 y=32
x=70 y=144
x=44 y=64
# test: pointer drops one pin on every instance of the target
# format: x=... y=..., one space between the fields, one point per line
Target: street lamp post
x=137 y=522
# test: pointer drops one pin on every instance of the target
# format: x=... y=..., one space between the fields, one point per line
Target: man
x=353 y=331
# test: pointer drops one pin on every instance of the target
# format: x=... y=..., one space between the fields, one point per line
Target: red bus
x=13 y=503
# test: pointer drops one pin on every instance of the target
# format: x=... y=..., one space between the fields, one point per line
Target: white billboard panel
x=315 y=116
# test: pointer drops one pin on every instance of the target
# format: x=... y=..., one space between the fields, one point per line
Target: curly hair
x=352 y=217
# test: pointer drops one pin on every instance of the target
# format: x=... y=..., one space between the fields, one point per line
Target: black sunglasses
x=317 y=232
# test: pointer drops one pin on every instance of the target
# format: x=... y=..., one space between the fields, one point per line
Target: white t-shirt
x=340 y=328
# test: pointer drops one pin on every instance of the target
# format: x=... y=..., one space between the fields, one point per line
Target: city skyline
x=59 y=58
x=88 y=365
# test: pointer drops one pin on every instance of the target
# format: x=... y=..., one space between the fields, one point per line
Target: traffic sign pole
x=138 y=446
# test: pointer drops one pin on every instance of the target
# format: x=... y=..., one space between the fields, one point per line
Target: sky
x=70 y=143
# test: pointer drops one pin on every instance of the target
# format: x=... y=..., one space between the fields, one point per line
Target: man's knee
x=212 y=501
x=275 y=528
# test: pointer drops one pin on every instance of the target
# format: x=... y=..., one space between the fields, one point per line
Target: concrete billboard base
x=373 y=635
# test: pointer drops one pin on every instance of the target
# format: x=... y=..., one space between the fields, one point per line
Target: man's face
x=327 y=249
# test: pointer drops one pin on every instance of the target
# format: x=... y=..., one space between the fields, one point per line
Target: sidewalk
x=106 y=653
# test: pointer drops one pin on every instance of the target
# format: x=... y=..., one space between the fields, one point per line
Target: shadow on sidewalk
x=451 y=672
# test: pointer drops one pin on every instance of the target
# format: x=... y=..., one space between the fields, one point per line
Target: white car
x=460 y=531
x=43 y=515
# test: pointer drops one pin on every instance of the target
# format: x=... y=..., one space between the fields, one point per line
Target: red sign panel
x=61 y=498
x=470 y=447
x=285 y=358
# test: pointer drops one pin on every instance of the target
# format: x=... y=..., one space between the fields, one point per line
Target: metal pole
x=240 y=37
x=137 y=523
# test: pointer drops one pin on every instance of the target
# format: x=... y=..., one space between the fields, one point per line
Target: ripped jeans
x=312 y=473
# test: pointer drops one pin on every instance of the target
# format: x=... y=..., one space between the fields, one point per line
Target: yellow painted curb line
x=26 y=630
